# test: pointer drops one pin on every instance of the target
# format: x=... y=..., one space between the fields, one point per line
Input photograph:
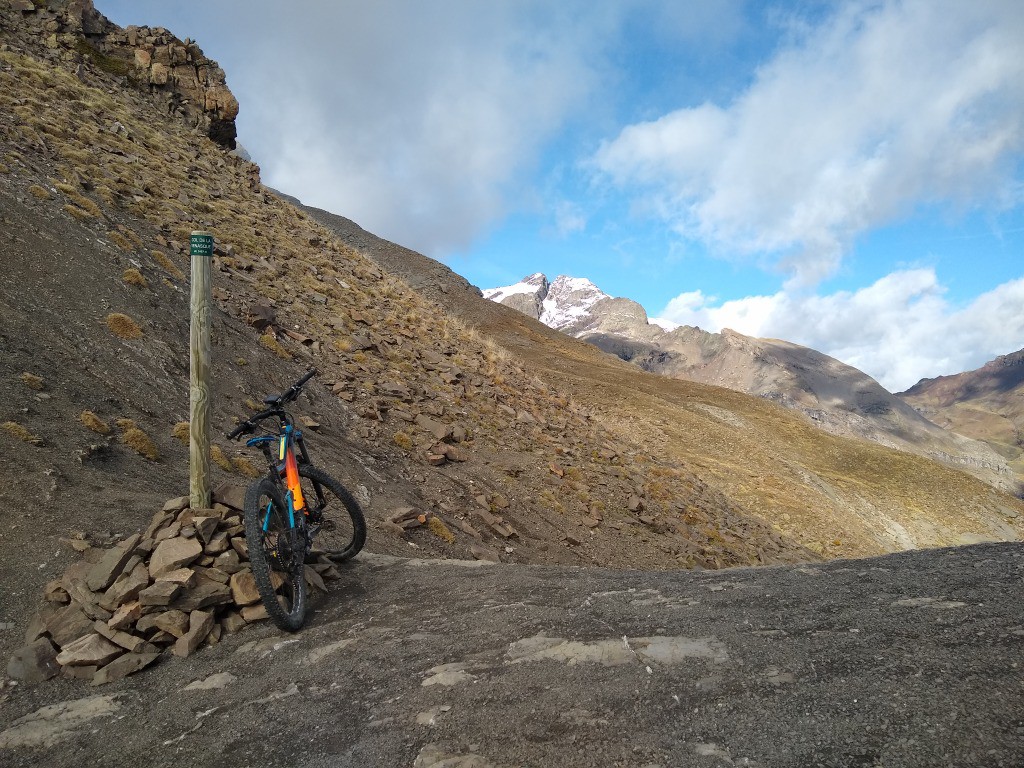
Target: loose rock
x=173 y=554
x=35 y=662
x=92 y=649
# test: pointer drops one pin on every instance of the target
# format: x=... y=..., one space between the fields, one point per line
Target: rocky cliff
x=176 y=73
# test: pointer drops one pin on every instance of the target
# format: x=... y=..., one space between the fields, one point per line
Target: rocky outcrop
x=176 y=72
x=1002 y=376
x=526 y=296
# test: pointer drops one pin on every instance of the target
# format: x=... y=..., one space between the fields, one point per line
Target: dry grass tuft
x=40 y=193
x=123 y=326
x=130 y=236
x=439 y=529
x=86 y=205
x=95 y=423
x=180 y=431
x=245 y=467
x=141 y=443
x=20 y=432
x=32 y=381
x=403 y=441
x=270 y=341
x=167 y=265
x=132 y=276
x=220 y=459
x=120 y=241
x=78 y=213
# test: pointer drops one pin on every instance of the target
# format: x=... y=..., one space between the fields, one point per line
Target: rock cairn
x=182 y=583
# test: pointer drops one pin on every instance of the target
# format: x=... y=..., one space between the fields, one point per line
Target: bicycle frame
x=286 y=465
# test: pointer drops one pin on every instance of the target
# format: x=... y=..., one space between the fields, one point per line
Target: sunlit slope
x=416 y=408
x=841 y=496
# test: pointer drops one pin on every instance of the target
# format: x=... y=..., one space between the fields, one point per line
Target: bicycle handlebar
x=276 y=401
x=295 y=388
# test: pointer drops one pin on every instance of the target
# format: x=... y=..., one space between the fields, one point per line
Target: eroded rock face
x=177 y=73
x=526 y=296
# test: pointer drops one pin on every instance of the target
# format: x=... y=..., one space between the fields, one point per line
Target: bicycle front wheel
x=277 y=554
x=338 y=522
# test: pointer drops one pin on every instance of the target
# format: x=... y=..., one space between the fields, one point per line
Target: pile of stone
x=182 y=583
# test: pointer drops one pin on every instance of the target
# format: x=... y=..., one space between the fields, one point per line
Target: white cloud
x=882 y=108
x=898 y=330
x=569 y=218
x=424 y=122
x=419 y=121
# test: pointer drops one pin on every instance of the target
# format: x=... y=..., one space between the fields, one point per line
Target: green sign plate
x=201 y=244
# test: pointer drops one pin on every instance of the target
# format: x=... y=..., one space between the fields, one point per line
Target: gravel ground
x=906 y=660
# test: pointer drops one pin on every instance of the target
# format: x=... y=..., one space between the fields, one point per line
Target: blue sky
x=844 y=175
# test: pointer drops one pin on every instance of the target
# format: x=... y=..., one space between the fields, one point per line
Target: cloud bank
x=881 y=108
x=898 y=330
x=417 y=120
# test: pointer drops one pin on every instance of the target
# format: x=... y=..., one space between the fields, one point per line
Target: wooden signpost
x=201 y=250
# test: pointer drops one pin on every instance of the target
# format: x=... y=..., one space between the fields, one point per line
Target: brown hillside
x=986 y=404
x=530 y=446
x=98 y=192
x=838 y=495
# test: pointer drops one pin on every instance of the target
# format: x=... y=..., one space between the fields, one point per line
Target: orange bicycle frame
x=291 y=472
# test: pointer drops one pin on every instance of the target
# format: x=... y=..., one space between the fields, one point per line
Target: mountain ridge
x=985 y=404
x=836 y=397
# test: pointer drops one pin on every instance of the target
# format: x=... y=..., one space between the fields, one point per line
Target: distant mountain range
x=837 y=397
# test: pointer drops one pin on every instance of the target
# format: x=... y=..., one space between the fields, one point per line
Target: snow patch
x=499 y=294
x=568 y=300
x=531 y=284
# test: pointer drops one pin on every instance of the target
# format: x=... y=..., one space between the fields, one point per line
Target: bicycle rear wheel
x=277 y=553
x=333 y=513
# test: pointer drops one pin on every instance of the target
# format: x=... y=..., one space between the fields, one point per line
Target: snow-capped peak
x=559 y=304
x=568 y=299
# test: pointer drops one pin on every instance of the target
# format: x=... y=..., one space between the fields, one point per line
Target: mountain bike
x=293 y=504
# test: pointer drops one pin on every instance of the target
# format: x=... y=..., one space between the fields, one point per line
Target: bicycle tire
x=276 y=554
x=342 y=530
